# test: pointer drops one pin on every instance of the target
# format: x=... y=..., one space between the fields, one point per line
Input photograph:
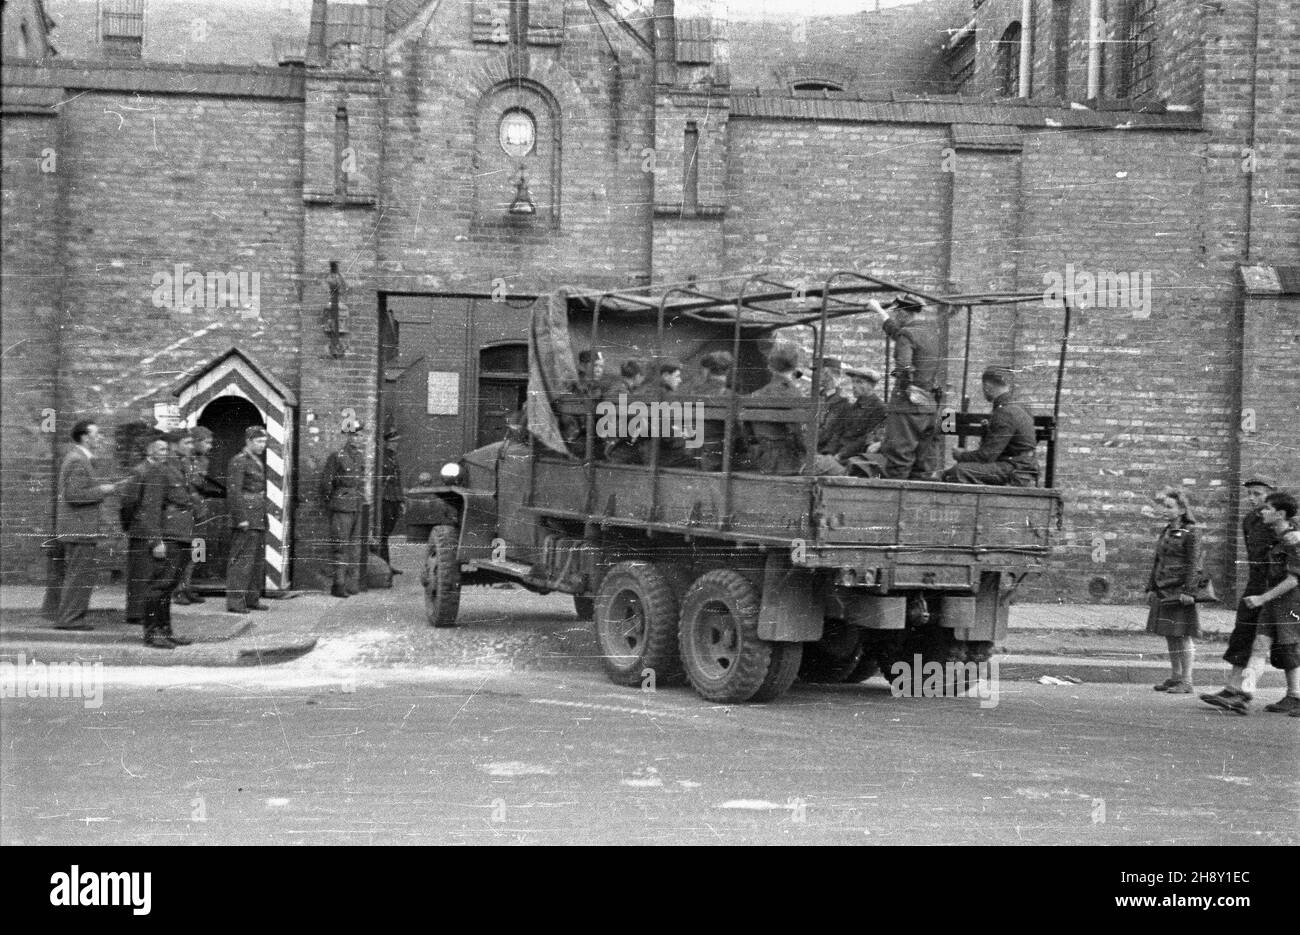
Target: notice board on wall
x=443 y=394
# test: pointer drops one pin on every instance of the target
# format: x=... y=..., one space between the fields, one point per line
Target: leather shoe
x=338 y=592
x=180 y=597
x=236 y=610
x=80 y=627
x=159 y=641
x=195 y=597
x=178 y=640
x=396 y=571
x=259 y=607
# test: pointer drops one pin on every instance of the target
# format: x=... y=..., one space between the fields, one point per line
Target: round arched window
x=518 y=133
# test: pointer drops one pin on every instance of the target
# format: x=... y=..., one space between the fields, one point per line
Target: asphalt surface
x=293 y=754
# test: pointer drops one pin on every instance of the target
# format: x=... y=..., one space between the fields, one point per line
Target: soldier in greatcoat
x=343 y=493
x=246 y=506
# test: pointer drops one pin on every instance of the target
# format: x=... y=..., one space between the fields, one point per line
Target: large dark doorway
x=227 y=417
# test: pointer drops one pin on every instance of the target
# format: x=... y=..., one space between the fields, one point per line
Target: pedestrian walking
x=1275 y=633
x=911 y=443
x=393 y=495
x=139 y=564
x=76 y=525
x=166 y=522
x=342 y=491
x=1173 y=583
x=246 y=505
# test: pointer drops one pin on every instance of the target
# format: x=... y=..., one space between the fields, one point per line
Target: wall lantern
x=334 y=320
x=523 y=203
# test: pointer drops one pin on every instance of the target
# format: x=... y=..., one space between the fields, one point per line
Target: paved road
x=303 y=754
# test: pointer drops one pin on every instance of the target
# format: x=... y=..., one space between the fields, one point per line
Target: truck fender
x=793 y=601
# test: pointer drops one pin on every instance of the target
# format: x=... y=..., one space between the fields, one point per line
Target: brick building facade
x=658 y=143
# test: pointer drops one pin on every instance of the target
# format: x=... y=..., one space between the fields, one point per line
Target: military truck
x=739 y=581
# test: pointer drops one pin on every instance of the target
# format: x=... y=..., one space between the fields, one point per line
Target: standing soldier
x=342 y=491
x=201 y=486
x=912 y=414
x=139 y=564
x=166 y=522
x=393 y=495
x=77 y=525
x=246 y=504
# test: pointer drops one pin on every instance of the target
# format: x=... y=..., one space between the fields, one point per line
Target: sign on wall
x=444 y=394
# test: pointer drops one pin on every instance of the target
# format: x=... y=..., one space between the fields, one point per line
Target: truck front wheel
x=721 y=651
x=441 y=577
x=636 y=624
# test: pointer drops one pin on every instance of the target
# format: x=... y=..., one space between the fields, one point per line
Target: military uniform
x=165 y=517
x=777 y=447
x=1006 y=455
x=196 y=478
x=77 y=527
x=618 y=449
x=342 y=490
x=714 y=432
x=1176 y=571
x=672 y=444
x=393 y=500
x=246 y=503
x=910 y=446
x=1259 y=541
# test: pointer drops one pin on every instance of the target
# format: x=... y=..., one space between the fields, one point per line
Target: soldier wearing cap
x=342 y=491
x=778 y=447
x=714 y=383
x=202 y=487
x=165 y=520
x=834 y=403
x=246 y=505
x=393 y=494
x=670 y=438
x=911 y=443
x=1006 y=455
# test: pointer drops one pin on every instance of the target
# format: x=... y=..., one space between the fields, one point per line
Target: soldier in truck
x=910 y=447
x=1005 y=457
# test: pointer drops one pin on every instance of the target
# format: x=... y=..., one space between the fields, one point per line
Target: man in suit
x=165 y=519
x=138 y=561
x=77 y=525
x=246 y=506
x=343 y=493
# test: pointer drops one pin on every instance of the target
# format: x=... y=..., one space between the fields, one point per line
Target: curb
x=120 y=654
x=1125 y=672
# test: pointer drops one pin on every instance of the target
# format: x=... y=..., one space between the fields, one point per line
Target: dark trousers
x=80 y=570
x=139 y=565
x=164 y=575
x=910 y=448
x=55 y=562
x=345 y=546
x=391 y=511
x=776 y=455
x=245 y=570
x=994 y=473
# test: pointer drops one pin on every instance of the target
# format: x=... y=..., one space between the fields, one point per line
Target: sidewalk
x=1090 y=642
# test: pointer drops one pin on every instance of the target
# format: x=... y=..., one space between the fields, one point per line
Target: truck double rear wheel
x=440 y=577
x=636 y=624
x=724 y=658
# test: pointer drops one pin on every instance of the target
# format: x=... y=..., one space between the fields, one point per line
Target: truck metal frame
x=743 y=581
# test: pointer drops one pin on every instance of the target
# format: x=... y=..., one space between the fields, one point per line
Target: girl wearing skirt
x=1172 y=588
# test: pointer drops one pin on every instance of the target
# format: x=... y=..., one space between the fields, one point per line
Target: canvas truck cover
x=551 y=368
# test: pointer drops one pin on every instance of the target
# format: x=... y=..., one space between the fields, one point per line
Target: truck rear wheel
x=635 y=613
x=723 y=656
x=837 y=654
x=441 y=577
